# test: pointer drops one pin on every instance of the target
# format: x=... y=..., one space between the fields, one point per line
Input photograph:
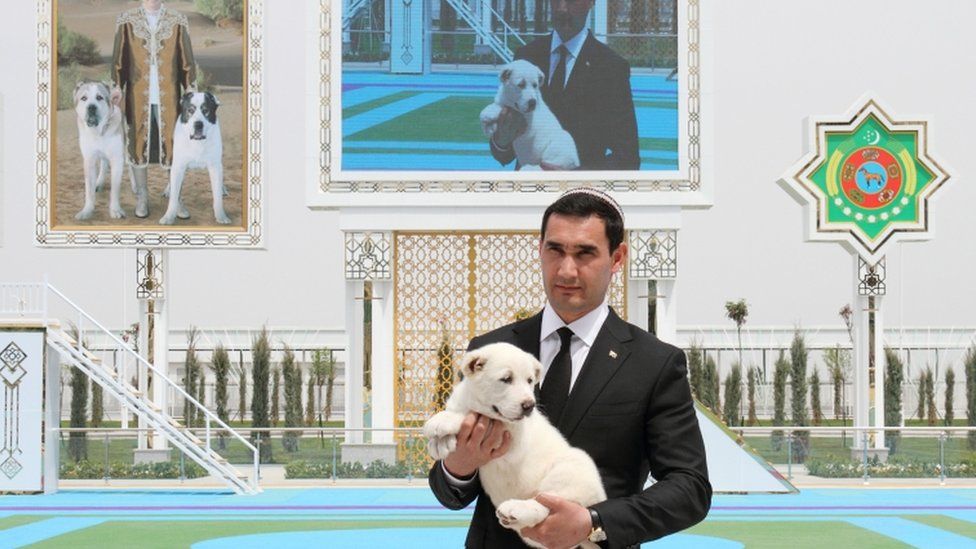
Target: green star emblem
x=867 y=181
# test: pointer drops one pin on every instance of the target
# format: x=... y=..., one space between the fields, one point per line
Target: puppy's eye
x=84 y=98
x=507 y=379
x=191 y=109
x=99 y=98
x=522 y=85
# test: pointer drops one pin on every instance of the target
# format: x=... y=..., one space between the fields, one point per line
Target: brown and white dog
x=499 y=381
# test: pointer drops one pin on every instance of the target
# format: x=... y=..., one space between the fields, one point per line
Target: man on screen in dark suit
x=611 y=389
x=587 y=87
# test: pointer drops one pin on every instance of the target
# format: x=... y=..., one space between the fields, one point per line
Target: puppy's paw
x=222 y=218
x=440 y=448
x=521 y=513
x=442 y=424
x=166 y=192
x=167 y=219
x=183 y=213
x=85 y=214
x=116 y=212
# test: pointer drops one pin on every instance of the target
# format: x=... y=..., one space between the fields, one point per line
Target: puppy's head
x=92 y=102
x=198 y=113
x=521 y=85
x=503 y=379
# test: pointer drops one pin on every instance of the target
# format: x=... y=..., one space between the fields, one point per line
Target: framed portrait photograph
x=149 y=123
x=475 y=96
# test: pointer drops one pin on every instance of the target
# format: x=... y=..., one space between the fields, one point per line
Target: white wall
x=772 y=64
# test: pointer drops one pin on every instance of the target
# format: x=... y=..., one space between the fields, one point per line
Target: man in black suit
x=610 y=388
x=588 y=89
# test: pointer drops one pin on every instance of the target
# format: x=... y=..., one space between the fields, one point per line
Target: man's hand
x=510 y=124
x=567 y=525
x=479 y=441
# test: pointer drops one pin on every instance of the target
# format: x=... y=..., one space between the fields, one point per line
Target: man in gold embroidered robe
x=153 y=66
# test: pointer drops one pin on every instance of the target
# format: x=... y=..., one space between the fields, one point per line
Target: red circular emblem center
x=871 y=177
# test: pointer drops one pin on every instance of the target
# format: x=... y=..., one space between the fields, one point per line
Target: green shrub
x=733 y=397
x=221 y=9
x=894 y=376
x=75 y=47
x=376 y=469
x=895 y=467
x=68 y=78
x=169 y=469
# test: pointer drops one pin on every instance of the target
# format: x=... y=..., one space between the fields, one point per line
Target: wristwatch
x=596 y=532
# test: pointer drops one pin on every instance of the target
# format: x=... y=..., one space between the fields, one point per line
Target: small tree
x=97 y=405
x=201 y=394
x=330 y=376
x=950 y=381
x=220 y=364
x=733 y=396
x=710 y=382
x=77 y=442
x=310 y=401
x=293 y=399
x=815 y=397
x=260 y=376
x=190 y=373
x=780 y=374
x=932 y=415
x=737 y=311
x=696 y=370
x=798 y=378
x=241 y=389
x=751 y=376
x=922 y=382
x=445 y=371
x=894 y=377
x=834 y=359
x=969 y=366
x=275 y=395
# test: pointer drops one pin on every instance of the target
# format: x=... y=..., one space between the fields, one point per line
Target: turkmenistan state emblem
x=867 y=180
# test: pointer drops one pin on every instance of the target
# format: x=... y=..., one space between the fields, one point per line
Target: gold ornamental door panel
x=448 y=288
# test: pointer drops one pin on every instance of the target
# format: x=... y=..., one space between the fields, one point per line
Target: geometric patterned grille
x=149 y=274
x=368 y=256
x=653 y=254
x=12 y=373
x=871 y=278
x=448 y=288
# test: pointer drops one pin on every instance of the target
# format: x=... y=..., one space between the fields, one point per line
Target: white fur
x=102 y=145
x=539 y=459
x=196 y=153
x=544 y=140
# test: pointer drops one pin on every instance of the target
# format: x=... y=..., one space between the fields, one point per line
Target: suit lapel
x=608 y=353
x=526 y=334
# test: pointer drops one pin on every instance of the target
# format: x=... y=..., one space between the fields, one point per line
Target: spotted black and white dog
x=100 y=137
x=196 y=144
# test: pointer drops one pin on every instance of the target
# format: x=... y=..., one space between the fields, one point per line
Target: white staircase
x=499 y=45
x=117 y=384
x=355 y=6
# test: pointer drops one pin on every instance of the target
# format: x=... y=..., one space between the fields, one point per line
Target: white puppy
x=196 y=144
x=498 y=383
x=100 y=137
x=544 y=141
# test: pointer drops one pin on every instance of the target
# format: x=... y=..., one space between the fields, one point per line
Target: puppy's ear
x=78 y=89
x=472 y=363
x=541 y=76
x=211 y=97
x=506 y=74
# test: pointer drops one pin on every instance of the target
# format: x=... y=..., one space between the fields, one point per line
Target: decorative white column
x=383 y=369
x=151 y=278
x=52 y=421
x=368 y=256
x=869 y=348
x=653 y=255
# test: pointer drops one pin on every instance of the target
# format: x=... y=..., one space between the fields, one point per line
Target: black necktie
x=555 y=389
x=558 y=81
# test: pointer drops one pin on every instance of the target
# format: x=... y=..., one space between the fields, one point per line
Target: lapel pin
x=613 y=354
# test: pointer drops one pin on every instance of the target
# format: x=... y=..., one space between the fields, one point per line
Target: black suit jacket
x=596 y=107
x=631 y=410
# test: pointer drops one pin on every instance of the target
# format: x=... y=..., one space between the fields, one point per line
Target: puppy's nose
x=527 y=406
x=198 y=126
x=531 y=104
x=92 y=109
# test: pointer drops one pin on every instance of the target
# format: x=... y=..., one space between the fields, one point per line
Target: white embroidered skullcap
x=598 y=194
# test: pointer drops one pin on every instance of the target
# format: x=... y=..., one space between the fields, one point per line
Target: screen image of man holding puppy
x=153 y=66
x=587 y=87
x=611 y=388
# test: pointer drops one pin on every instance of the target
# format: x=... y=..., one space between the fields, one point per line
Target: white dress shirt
x=574 y=45
x=585 y=330
x=153 y=19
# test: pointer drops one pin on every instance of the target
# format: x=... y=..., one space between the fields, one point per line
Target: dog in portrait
x=196 y=144
x=498 y=382
x=100 y=137
x=544 y=142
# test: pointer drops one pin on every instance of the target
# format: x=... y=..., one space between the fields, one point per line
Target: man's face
x=577 y=264
x=152 y=5
x=569 y=16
